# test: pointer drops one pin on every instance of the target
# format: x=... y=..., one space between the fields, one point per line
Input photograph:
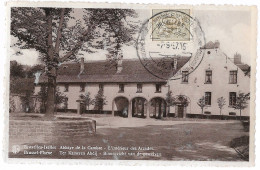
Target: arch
x=181 y=103
x=120 y=106
x=157 y=107
x=139 y=106
x=131 y=99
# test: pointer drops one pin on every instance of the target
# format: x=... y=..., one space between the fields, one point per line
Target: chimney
x=175 y=63
x=237 y=58
x=119 y=64
x=217 y=44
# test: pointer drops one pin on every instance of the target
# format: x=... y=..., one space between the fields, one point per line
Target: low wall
x=37 y=131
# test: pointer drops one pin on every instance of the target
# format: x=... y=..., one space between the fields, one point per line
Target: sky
x=230 y=28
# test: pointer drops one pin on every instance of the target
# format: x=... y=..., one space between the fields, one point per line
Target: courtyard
x=151 y=139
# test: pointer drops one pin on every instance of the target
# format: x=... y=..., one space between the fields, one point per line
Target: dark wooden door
x=180 y=111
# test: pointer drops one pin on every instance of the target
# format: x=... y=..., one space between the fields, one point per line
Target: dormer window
x=66 y=88
x=82 y=87
x=158 y=88
x=101 y=87
x=121 y=88
x=139 y=88
x=208 y=79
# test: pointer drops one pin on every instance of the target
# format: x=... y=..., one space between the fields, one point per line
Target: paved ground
x=157 y=139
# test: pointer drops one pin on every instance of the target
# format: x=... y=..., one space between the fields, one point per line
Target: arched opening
x=120 y=106
x=157 y=107
x=139 y=107
x=181 y=102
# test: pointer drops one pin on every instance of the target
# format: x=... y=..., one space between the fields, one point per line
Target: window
x=121 y=88
x=101 y=87
x=208 y=98
x=233 y=77
x=158 y=88
x=232 y=113
x=208 y=79
x=139 y=88
x=82 y=87
x=232 y=98
x=185 y=75
x=66 y=88
x=207 y=112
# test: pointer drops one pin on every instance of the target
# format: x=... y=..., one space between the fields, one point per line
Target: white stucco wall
x=111 y=91
x=196 y=87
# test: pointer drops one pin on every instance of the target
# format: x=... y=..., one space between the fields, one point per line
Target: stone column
x=184 y=111
x=167 y=110
x=148 y=110
x=136 y=106
x=78 y=107
x=130 y=110
x=176 y=111
x=113 y=111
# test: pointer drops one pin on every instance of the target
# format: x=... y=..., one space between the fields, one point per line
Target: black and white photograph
x=136 y=82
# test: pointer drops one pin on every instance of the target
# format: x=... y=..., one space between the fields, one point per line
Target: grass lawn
x=187 y=141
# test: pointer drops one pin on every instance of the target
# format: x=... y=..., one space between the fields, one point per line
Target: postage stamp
x=107 y=81
x=171 y=25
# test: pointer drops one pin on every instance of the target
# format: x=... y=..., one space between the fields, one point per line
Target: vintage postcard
x=107 y=81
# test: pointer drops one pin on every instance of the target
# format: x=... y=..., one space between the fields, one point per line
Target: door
x=180 y=111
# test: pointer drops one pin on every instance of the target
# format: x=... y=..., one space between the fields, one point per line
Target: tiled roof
x=101 y=71
x=243 y=67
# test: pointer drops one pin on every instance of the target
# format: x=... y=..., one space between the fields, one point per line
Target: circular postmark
x=169 y=44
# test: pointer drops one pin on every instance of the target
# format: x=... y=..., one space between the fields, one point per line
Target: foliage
x=241 y=102
x=88 y=100
x=202 y=103
x=221 y=103
x=11 y=104
x=99 y=100
x=118 y=30
x=42 y=94
x=34 y=69
x=59 y=97
x=16 y=70
x=169 y=98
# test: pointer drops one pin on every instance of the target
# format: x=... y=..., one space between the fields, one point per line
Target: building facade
x=131 y=91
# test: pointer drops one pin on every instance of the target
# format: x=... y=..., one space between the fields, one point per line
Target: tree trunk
x=50 y=97
x=51 y=69
x=240 y=114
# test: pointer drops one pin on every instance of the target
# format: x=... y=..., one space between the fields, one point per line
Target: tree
x=202 y=103
x=100 y=100
x=88 y=100
x=12 y=106
x=59 y=98
x=59 y=37
x=42 y=94
x=221 y=104
x=169 y=100
x=241 y=102
x=16 y=70
x=34 y=69
x=119 y=30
